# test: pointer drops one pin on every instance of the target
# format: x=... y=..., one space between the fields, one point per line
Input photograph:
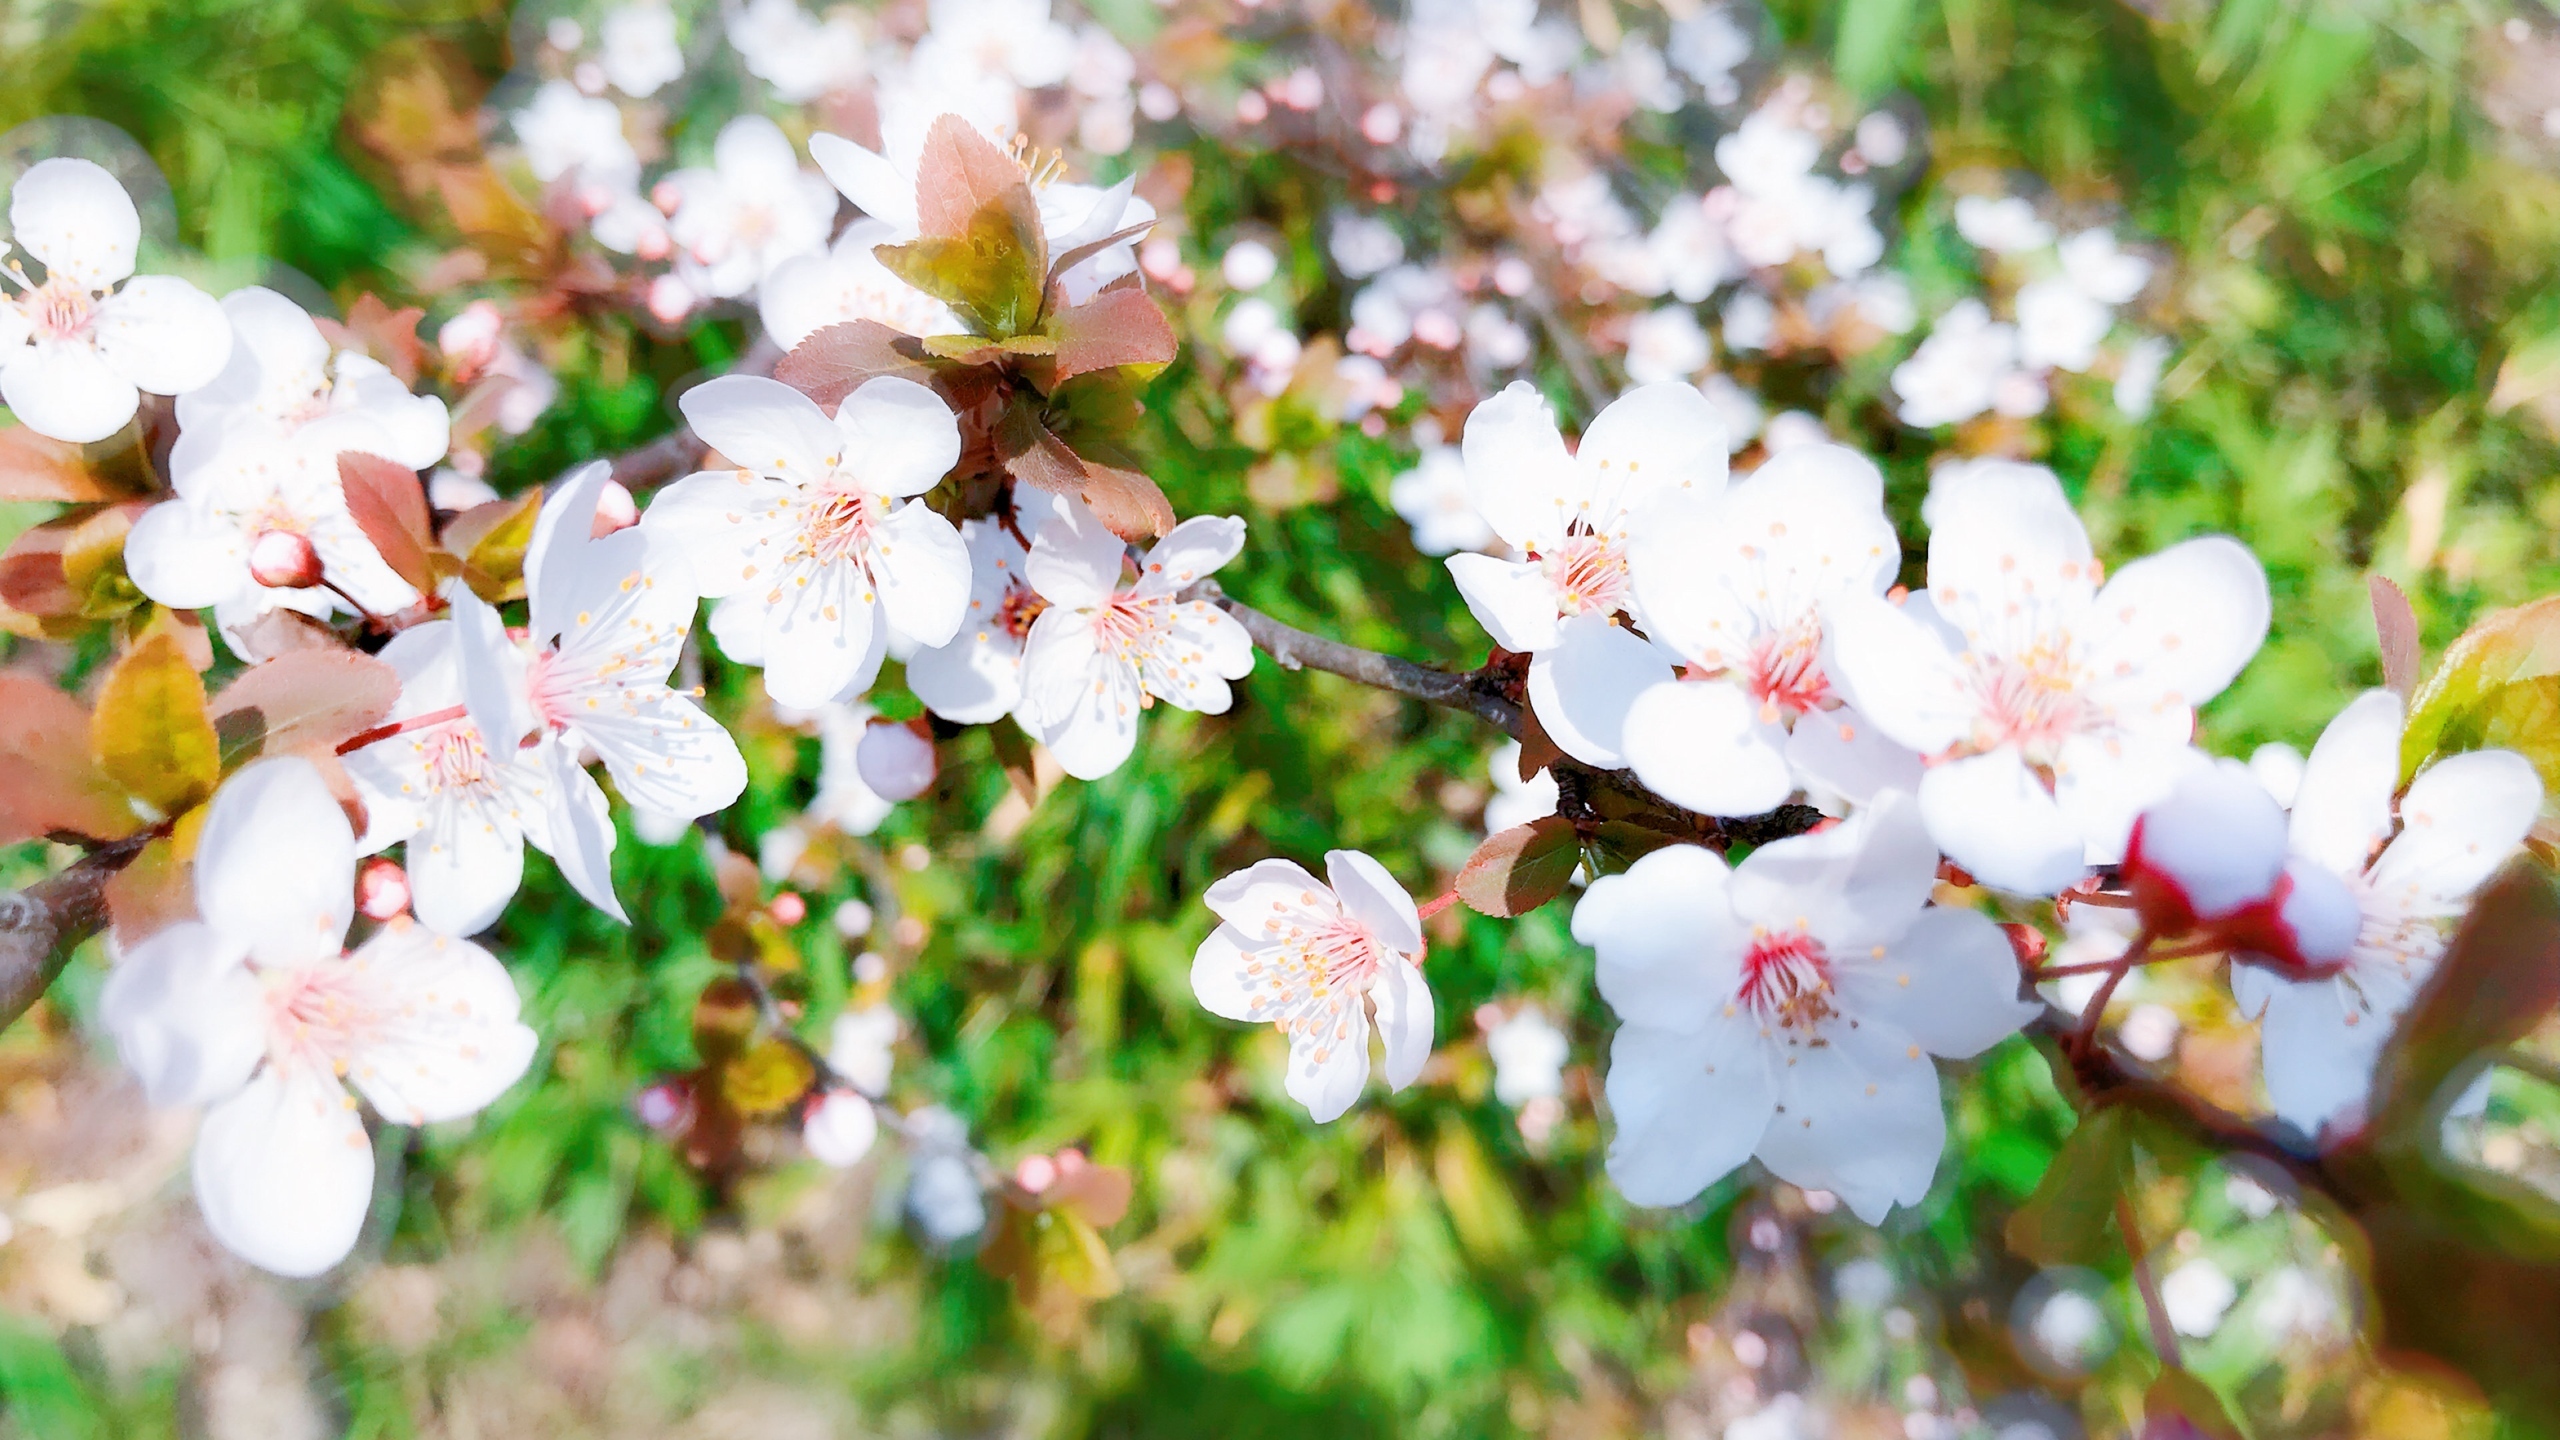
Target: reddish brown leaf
x=1099 y=1193
x=31 y=578
x=1034 y=455
x=151 y=894
x=1091 y=248
x=281 y=632
x=33 y=467
x=837 y=360
x=49 y=781
x=2396 y=626
x=390 y=506
x=1517 y=870
x=1116 y=327
x=1133 y=506
x=388 y=335
x=959 y=173
x=305 y=700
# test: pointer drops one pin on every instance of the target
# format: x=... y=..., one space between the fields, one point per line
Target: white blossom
x=257 y=1013
x=579 y=137
x=1734 y=584
x=1787 y=1008
x=1320 y=961
x=2053 y=710
x=257 y=457
x=976 y=677
x=1666 y=344
x=78 y=348
x=799 y=55
x=1528 y=1054
x=1571 y=517
x=753 y=209
x=847 y=282
x=861 y=1046
x=1432 y=498
x=1106 y=649
x=640 y=52
x=815 y=539
x=839 y=1128
x=2003 y=224
x=1968 y=364
x=2411 y=867
x=1516 y=801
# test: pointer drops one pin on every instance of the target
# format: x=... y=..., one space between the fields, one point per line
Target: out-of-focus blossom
x=640 y=53
x=1958 y=372
x=2196 y=1296
x=752 y=209
x=801 y=56
x=847 y=282
x=1666 y=344
x=1516 y=801
x=578 y=137
x=1707 y=44
x=2003 y=225
x=1528 y=1054
x=1432 y=497
x=78 y=350
x=1364 y=245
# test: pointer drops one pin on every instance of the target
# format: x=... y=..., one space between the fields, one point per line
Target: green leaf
x=305 y=700
x=1517 y=870
x=492 y=540
x=989 y=274
x=2071 y=1217
x=151 y=732
x=2178 y=1395
x=2497 y=686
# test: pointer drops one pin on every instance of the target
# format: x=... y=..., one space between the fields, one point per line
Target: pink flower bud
x=1382 y=124
x=895 y=761
x=788 y=908
x=2209 y=851
x=284 y=559
x=670 y=299
x=1035 y=1173
x=382 y=889
x=615 y=510
x=666 y=1107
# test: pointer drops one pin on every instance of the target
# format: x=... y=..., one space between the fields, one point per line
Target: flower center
x=455 y=757
x=1590 y=574
x=1310 y=982
x=838 y=525
x=317 y=1016
x=1786 y=980
x=1784 y=672
x=2031 y=700
x=1020 y=607
x=59 y=309
x=1134 y=628
x=1041 y=167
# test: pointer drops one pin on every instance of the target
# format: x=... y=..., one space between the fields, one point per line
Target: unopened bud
x=2209 y=851
x=2026 y=942
x=382 y=889
x=1035 y=1173
x=2306 y=927
x=895 y=761
x=615 y=510
x=284 y=559
x=788 y=908
x=839 y=1128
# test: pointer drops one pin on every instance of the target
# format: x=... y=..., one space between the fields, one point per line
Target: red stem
x=362 y=738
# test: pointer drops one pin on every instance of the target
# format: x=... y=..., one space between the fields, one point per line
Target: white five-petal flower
x=815 y=537
x=78 y=349
x=1105 y=649
x=1734 y=585
x=1571 y=517
x=2459 y=821
x=977 y=677
x=1787 y=1008
x=1319 y=961
x=2053 y=710
x=256 y=1012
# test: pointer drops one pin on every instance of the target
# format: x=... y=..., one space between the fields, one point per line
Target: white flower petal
x=1326 y=1077
x=1192 y=550
x=1898 y=672
x=562 y=534
x=867 y=179
x=446 y=1041
x=727 y=523
x=1950 y=981
x=1075 y=560
x=1217 y=975
x=2102 y=784
x=922 y=571
x=1669 y=946
x=1702 y=744
x=284 y=1172
x=1854 y=885
x=2462 y=818
x=1583 y=687
x=276 y=863
x=2319 y=1053
x=67 y=390
x=1681 y=562
x=666 y=754
x=1253 y=895
x=186 y=558
x=1655 y=440
x=464 y=865
x=1405 y=1020
x=1858 y=1116
x=74 y=216
x=1689 y=1106
x=765 y=426
x=1373 y=897
x=188 y=1018
x=1841 y=753
x=1086 y=703
x=2172 y=629
x=1991 y=815
x=1514 y=601
x=1518 y=471
x=899 y=437
x=489 y=671
x=577 y=830
x=2342 y=802
x=818 y=634
x=164 y=335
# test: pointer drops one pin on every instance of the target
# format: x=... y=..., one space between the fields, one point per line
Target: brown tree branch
x=676 y=454
x=1295 y=649
x=41 y=925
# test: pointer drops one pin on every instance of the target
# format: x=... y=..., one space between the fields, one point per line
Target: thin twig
x=41 y=925
x=2164 y=1333
x=1295 y=649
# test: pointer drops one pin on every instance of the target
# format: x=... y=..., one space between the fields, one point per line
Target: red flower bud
x=382 y=889
x=284 y=559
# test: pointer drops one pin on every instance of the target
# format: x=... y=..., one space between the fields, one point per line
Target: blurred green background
x=2361 y=204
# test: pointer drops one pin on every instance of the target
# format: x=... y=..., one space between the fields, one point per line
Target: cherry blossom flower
x=1571 y=517
x=464 y=807
x=1666 y=344
x=640 y=53
x=736 y=222
x=1968 y=364
x=78 y=348
x=579 y=138
x=1320 y=961
x=1787 y=1007
x=256 y=1012
x=1734 y=584
x=1014 y=39
x=839 y=1128
x=2411 y=868
x=800 y=56
x=2002 y=224
x=808 y=293
x=1106 y=648
x=816 y=537
x=861 y=1046
x=1528 y=1054
x=256 y=465
x=1432 y=498
x=608 y=621
x=2053 y=710
x=976 y=677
